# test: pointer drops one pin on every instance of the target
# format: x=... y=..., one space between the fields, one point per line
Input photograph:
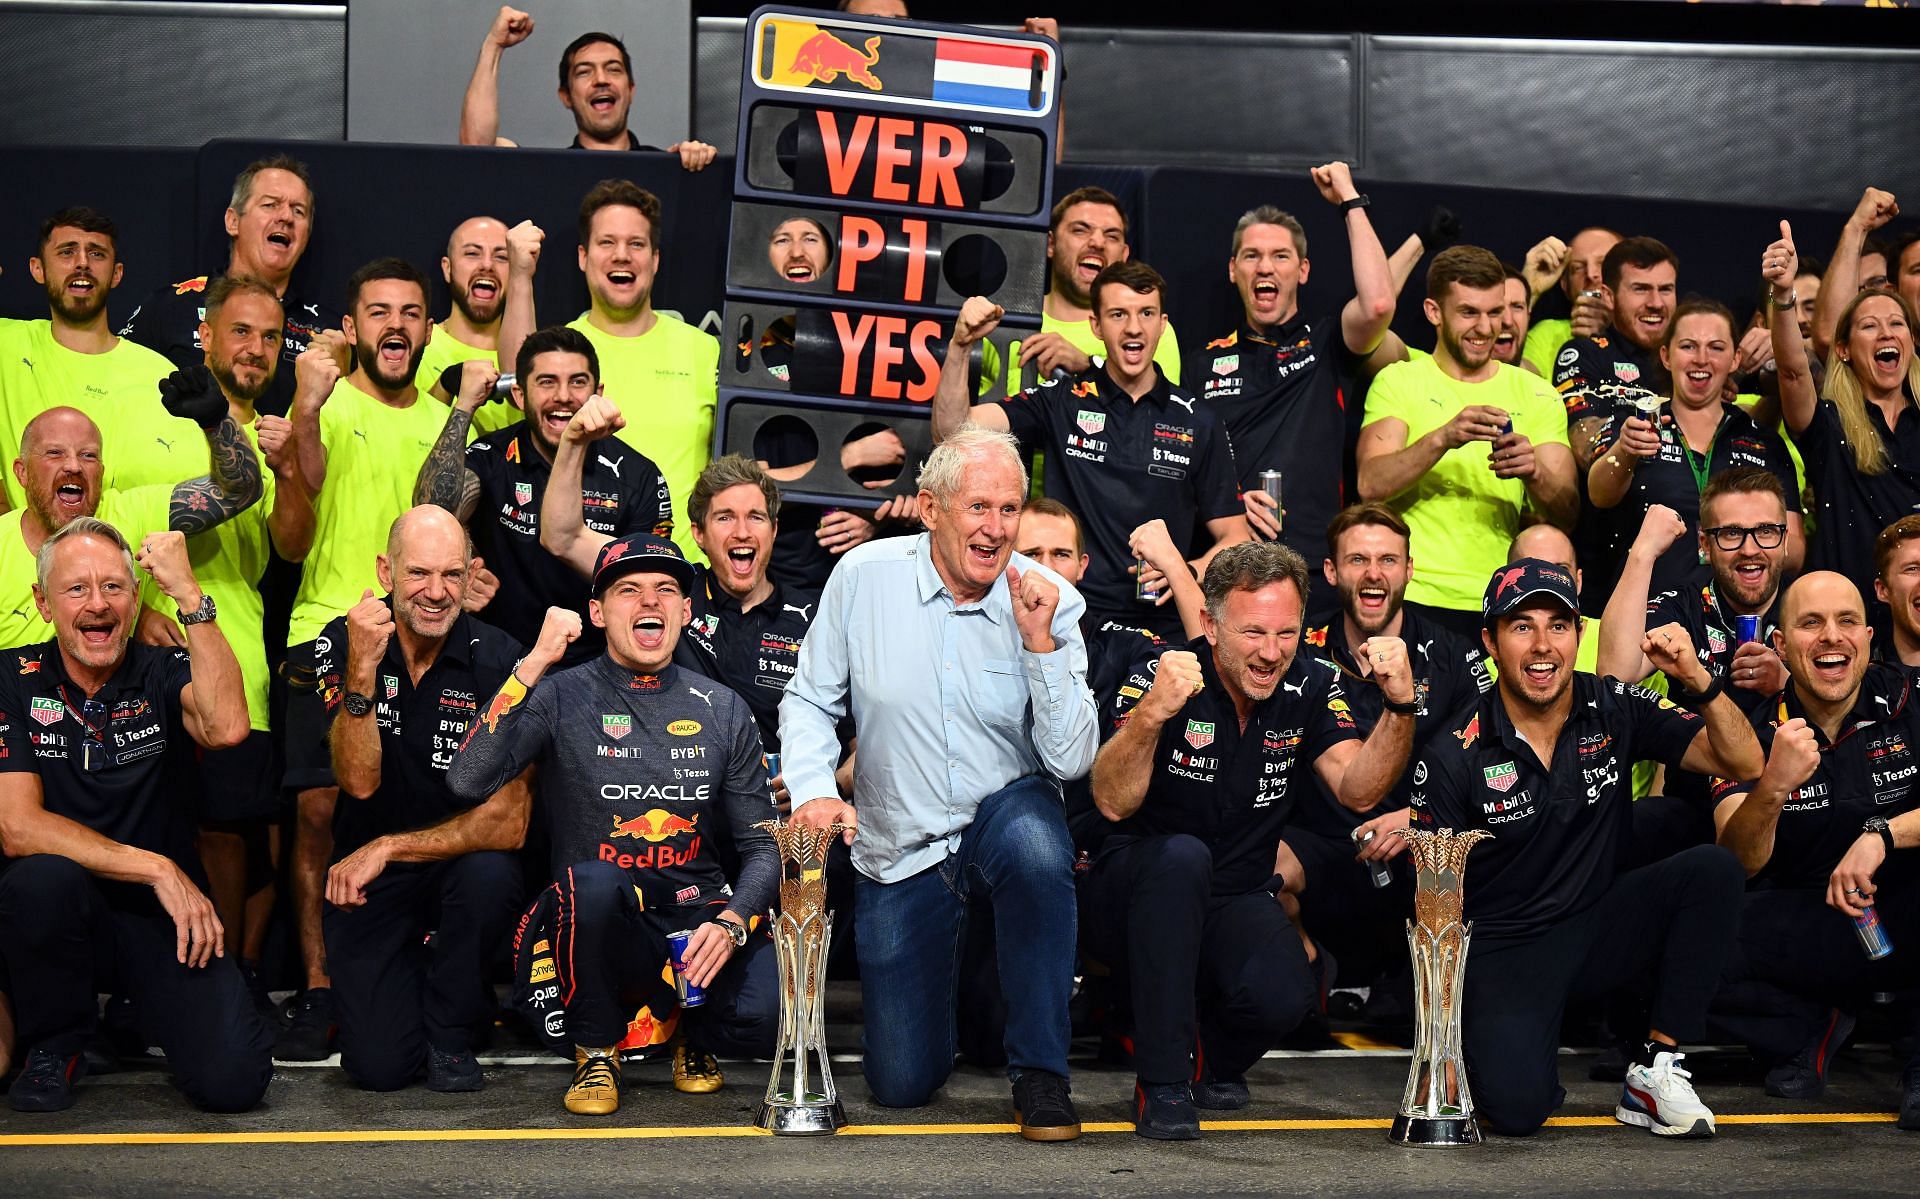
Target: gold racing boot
x=595 y=1090
x=695 y=1071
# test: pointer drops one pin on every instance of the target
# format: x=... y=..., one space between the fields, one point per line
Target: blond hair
x=1849 y=399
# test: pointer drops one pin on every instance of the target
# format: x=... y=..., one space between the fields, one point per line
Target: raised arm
x=233 y=484
x=444 y=478
x=1363 y=322
x=953 y=404
x=1153 y=542
x=355 y=740
x=213 y=704
x=1727 y=746
x=1779 y=265
x=1124 y=767
x=1361 y=773
x=480 y=109
x=519 y=320
x=290 y=522
x=1747 y=820
x=316 y=372
x=1842 y=280
x=1623 y=627
x=512 y=732
x=563 y=526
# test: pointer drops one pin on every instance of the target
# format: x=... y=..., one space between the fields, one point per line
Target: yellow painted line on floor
x=1359 y=1040
x=404 y=1135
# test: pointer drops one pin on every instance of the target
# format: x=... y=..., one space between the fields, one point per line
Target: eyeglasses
x=1732 y=537
x=93 y=750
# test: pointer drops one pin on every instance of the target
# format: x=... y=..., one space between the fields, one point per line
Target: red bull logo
x=185 y=286
x=504 y=701
x=655 y=825
x=826 y=58
x=1470 y=734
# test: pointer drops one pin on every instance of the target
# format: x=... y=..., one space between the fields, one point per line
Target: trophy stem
x=801 y=1099
x=1436 y=1110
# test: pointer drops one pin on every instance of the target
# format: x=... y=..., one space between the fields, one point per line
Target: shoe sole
x=1228 y=1105
x=595 y=1108
x=1700 y=1130
x=462 y=1086
x=1048 y=1133
x=1156 y=1133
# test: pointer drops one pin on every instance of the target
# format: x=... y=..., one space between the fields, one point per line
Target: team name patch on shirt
x=1199 y=732
x=52 y=711
x=616 y=726
x=1502 y=777
x=1091 y=423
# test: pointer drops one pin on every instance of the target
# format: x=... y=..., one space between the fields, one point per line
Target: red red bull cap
x=641 y=552
x=1517 y=582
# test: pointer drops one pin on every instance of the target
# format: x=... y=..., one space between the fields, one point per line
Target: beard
x=463 y=300
x=230 y=382
x=76 y=310
x=1064 y=284
x=367 y=358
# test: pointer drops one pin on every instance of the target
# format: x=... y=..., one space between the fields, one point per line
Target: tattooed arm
x=232 y=486
x=444 y=477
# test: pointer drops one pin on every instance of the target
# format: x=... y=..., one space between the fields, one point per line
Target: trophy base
x=801 y=1120
x=1434 y=1132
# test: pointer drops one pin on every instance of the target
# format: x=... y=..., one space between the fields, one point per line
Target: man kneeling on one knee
x=1201 y=777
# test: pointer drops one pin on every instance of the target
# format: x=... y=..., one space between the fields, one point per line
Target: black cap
x=1517 y=582
x=643 y=552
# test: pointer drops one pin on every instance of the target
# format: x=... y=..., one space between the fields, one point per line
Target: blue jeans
x=909 y=936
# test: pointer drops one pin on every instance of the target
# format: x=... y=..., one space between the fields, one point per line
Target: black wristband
x=1699 y=699
x=1412 y=708
x=1359 y=201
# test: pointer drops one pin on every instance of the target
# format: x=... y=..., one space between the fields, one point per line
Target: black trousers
x=1215 y=980
x=609 y=956
x=1677 y=916
x=1364 y=926
x=395 y=993
x=1796 y=958
x=64 y=935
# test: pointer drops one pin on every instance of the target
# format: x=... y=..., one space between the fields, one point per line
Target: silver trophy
x=1437 y=1109
x=801 y=1100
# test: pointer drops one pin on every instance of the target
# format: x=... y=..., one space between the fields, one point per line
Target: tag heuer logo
x=48 y=711
x=1626 y=372
x=616 y=726
x=1226 y=365
x=1716 y=641
x=1199 y=733
x=523 y=493
x=1091 y=422
x=390 y=685
x=1502 y=777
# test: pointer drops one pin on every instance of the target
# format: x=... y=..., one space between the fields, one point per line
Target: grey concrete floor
x=665 y=1144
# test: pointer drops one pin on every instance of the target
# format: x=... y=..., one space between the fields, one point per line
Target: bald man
x=403 y=676
x=475 y=268
x=60 y=468
x=1827 y=835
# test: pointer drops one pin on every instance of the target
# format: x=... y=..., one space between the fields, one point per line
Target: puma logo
x=614 y=465
x=706 y=697
x=313 y=310
x=1187 y=404
x=1425 y=649
x=1299 y=688
x=165 y=444
x=804 y=610
x=361 y=435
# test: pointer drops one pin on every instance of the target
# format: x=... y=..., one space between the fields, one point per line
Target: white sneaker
x=1659 y=1099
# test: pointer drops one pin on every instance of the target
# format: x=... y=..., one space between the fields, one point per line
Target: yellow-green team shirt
x=666 y=383
x=443 y=350
x=1544 y=339
x=374 y=454
x=1079 y=335
x=228 y=561
x=140 y=442
x=135 y=513
x=1461 y=516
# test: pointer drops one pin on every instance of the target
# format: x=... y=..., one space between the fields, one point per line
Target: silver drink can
x=1270 y=483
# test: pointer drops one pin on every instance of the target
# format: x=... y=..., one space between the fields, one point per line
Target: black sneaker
x=1165 y=1112
x=1611 y=1064
x=45 y=1083
x=1043 y=1107
x=309 y=1036
x=1804 y=1075
x=1910 y=1098
x=1221 y=1094
x=453 y=1073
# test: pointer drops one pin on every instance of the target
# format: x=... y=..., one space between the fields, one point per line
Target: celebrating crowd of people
x=1590 y=574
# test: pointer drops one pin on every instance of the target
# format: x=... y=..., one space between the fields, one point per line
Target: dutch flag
x=985 y=75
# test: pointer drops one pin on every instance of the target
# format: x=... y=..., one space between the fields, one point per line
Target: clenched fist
x=1387 y=657
x=510 y=27
x=978 y=317
x=1793 y=758
x=1670 y=649
x=523 y=249
x=1034 y=600
x=1335 y=181
x=1176 y=679
x=369 y=627
x=164 y=556
x=597 y=418
x=560 y=629
x=275 y=434
x=1659 y=529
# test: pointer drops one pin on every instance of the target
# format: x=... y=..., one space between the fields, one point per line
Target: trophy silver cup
x=1437 y=1109
x=801 y=1100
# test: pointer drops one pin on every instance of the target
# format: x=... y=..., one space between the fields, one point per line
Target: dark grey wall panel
x=171 y=74
x=1801 y=128
x=1193 y=98
x=718 y=44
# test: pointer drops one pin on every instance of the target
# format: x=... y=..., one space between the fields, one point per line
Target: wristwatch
x=202 y=614
x=1359 y=201
x=736 y=931
x=358 y=704
x=1793 y=297
x=1878 y=824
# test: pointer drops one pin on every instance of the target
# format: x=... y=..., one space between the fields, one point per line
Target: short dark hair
x=1137 y=276
x=1086 y=195
x=87 y=220
x=581 y=43
x=1048 y=506
x=724 y=473
x=1512 y=272
x=243 y=182
x=1249 y=566
x=1469 y=266
x=224 y=288
x=554 y=339
x=1888 y=540
x=1898 y=250
x=1354 y=515
x=1640 y=253
x=1741 y=480
x=620 y=193
x=385 y=268
x=1701 y=306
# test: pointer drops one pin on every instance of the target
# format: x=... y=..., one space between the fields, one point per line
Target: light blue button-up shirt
x=948 y=705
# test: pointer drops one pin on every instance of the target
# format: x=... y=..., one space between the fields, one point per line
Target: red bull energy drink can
x=690 y=995
x=1379 y=872
x=1873 y=938
x=773 y=772
x=1747 y=628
